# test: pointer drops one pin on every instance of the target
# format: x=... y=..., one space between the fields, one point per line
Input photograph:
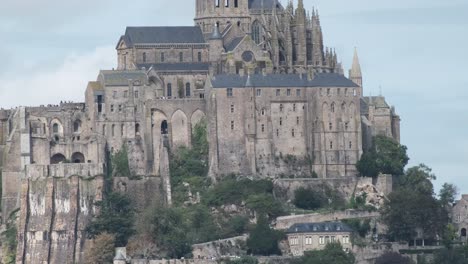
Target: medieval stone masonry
x=275 y=99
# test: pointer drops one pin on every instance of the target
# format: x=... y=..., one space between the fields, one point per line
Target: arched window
x=144 y=57
x=463 y=232
x=113 y=130
x=187 y=90
x=164 y=130
x=169 y=90
x=55 y=128
x=199 y=56
x=78 y=157
x=57 y=159
x=77 y=126
x=236 y=4
x=226 y=3
x=217 y=3
x=333 y=107
x=181 y=56
x=294 y=107
x=293 y=133
x=122 y=130
x=137 y=129
x=281 y=108
x=256 y=29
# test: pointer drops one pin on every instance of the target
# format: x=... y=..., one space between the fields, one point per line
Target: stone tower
x=222 y=13
x=355 y=73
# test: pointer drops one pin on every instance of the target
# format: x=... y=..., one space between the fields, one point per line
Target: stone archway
x=197 y=116
x=57 y=159
x=179 y=125
x=78 y=157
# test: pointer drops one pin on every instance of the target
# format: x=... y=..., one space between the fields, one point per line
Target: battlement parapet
x=64 y=170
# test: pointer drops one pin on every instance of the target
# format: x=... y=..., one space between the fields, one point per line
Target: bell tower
x=223 y=14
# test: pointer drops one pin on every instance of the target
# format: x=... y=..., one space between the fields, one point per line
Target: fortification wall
x=64 y=170
x=285 y=188
x=284 y=222
x=144 y=192
x=56 y=206
x=219 y=248
x=174 y=261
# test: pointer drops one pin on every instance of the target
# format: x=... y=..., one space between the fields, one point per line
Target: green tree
x=457 y=255
x=116 y=217
x=243 y=260
x=393 y=258
x=9 y=239
x=447 y=194
x=169 y=230
x=385 y=156
x=120 y=163
x=102 y=250
x=309 y=199
x=263 y=240
x=406 y=210
x=265 y=204
x=419 y=179
x=333 y=253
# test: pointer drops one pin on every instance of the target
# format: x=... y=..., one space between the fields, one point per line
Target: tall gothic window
x=199 y=56
x=217 y=3
x=256 y=27
x=181 y=57
x=187 y=90
x=236 y=3
x=169 y=90
x=144 y=57
x=226 y=3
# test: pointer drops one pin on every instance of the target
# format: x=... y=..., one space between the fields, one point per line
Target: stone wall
x=284 y=222
x=143 y=192
x=220 y=248
x=285 y=188
x=53 y=217
x=175 y=261
x=64 y=170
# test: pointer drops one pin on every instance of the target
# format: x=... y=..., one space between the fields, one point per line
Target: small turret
x=355 y=73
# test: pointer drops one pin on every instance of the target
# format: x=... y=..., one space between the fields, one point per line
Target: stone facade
x=275 y=100
x=315 y=236
x=460 y=217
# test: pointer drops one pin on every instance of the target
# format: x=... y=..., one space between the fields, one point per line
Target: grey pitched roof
x=163 y=35
x=233 y=44
x=325 y=227
x=186 y=67
x=282 y=80
x=267 y=4
x=121 y=78
x=377 y=101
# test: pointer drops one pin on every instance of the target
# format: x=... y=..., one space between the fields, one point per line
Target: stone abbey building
x=275 y=100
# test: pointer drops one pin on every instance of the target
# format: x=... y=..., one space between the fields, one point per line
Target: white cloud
x=64 y=83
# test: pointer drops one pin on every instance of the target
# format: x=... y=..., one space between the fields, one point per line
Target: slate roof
x=325 y=227
x=120 y=78
x=163 y=35
x=267 y=4
x=282 y=80
x=234 y=43
x=186 y=67
x=378 y=101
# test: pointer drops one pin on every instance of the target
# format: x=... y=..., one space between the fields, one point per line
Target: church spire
x=355 y=73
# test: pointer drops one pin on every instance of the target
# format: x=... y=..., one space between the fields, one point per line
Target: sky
x=412 y=52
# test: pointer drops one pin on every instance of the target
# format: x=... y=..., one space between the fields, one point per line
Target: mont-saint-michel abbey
x=276 y=101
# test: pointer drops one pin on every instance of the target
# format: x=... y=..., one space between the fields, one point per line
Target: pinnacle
x=356 y=68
